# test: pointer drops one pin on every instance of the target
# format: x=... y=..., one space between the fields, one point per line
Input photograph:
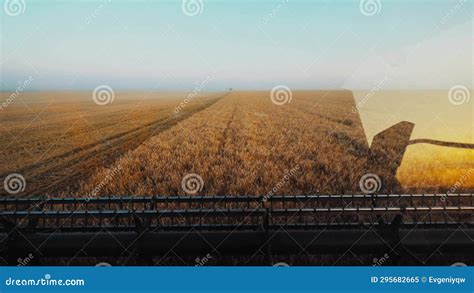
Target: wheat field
x=56 y=139
x=245 y=144
x=237 y=143
x=425 y=167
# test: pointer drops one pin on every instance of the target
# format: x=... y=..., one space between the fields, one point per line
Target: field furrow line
x=64 y=172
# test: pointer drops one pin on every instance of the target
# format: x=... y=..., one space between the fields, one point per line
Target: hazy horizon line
x=227 y=90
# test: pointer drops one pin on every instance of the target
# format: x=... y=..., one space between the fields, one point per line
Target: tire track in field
x=227 y=129
x=64 y=172
x=225 y=151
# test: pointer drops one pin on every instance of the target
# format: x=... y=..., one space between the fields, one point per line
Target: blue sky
x=239 y=44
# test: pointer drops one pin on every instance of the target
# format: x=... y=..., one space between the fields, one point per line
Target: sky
x=169 y=45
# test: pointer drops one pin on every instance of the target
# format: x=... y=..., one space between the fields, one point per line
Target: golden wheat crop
x=245 y=144
x=240 y=144
x=56 y=139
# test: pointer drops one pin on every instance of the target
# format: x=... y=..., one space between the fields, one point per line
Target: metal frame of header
x=236 y=225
